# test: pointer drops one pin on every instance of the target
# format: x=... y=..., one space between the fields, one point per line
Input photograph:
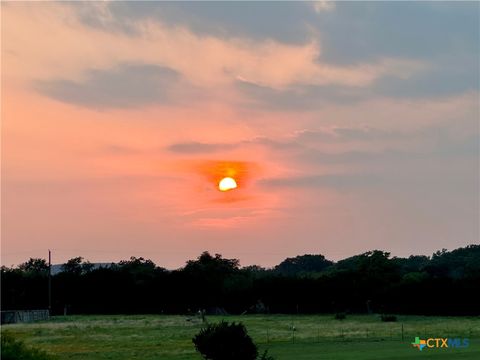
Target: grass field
x=149 y=337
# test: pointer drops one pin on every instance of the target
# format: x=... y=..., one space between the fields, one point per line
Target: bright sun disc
x=226 y=184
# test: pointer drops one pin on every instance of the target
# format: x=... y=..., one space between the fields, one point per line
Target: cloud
x=345 y=134
x=434 y=143
x=255 y=20
x=194 y=147
x=445 y=78
x=409 y=80
x=299 y=97
x=127 y=85
x=448 y=166
x=198 y=147
x=339 y=181
x=244 y=70
x=442 y=157
x=320 y=6
x=362 y=31
x=353 y=32
x=294 y=141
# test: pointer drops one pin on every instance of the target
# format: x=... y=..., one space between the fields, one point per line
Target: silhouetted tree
x=303 y=264
x=447 y=283
x=209 y=264
x=137 y=266
x=77 y=266
x=35 y=266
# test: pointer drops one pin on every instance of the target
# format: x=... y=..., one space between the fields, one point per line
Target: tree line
x=446 y=283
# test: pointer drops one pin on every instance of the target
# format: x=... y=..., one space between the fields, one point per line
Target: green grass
x=149 y=337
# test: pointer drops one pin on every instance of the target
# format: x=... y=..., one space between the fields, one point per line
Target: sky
x=347 y=126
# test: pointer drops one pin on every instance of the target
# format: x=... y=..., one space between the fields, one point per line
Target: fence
x=397 y=332
x=23 y=316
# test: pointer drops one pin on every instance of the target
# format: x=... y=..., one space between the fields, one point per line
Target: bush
x=389 y=318
x=13 y=349
x=224 y=341
x=340 y=316
x=265 y=356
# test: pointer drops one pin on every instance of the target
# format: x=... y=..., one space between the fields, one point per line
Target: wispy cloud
x=193 y=147
x=127 y=85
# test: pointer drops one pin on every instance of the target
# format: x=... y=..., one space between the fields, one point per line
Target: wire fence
x=397 y=331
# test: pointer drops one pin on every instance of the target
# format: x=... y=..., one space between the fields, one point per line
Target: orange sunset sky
x=347 y=126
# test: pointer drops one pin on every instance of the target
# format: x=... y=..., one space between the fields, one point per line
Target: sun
x=227 y=183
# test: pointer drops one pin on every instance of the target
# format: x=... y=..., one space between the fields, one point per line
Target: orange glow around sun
x=226 y=175
x=227 y=184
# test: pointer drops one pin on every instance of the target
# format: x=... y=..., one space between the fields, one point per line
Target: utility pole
x=49 y=282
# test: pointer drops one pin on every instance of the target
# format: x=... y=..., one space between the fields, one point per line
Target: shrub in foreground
x=13 y=349
x=225 y=341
